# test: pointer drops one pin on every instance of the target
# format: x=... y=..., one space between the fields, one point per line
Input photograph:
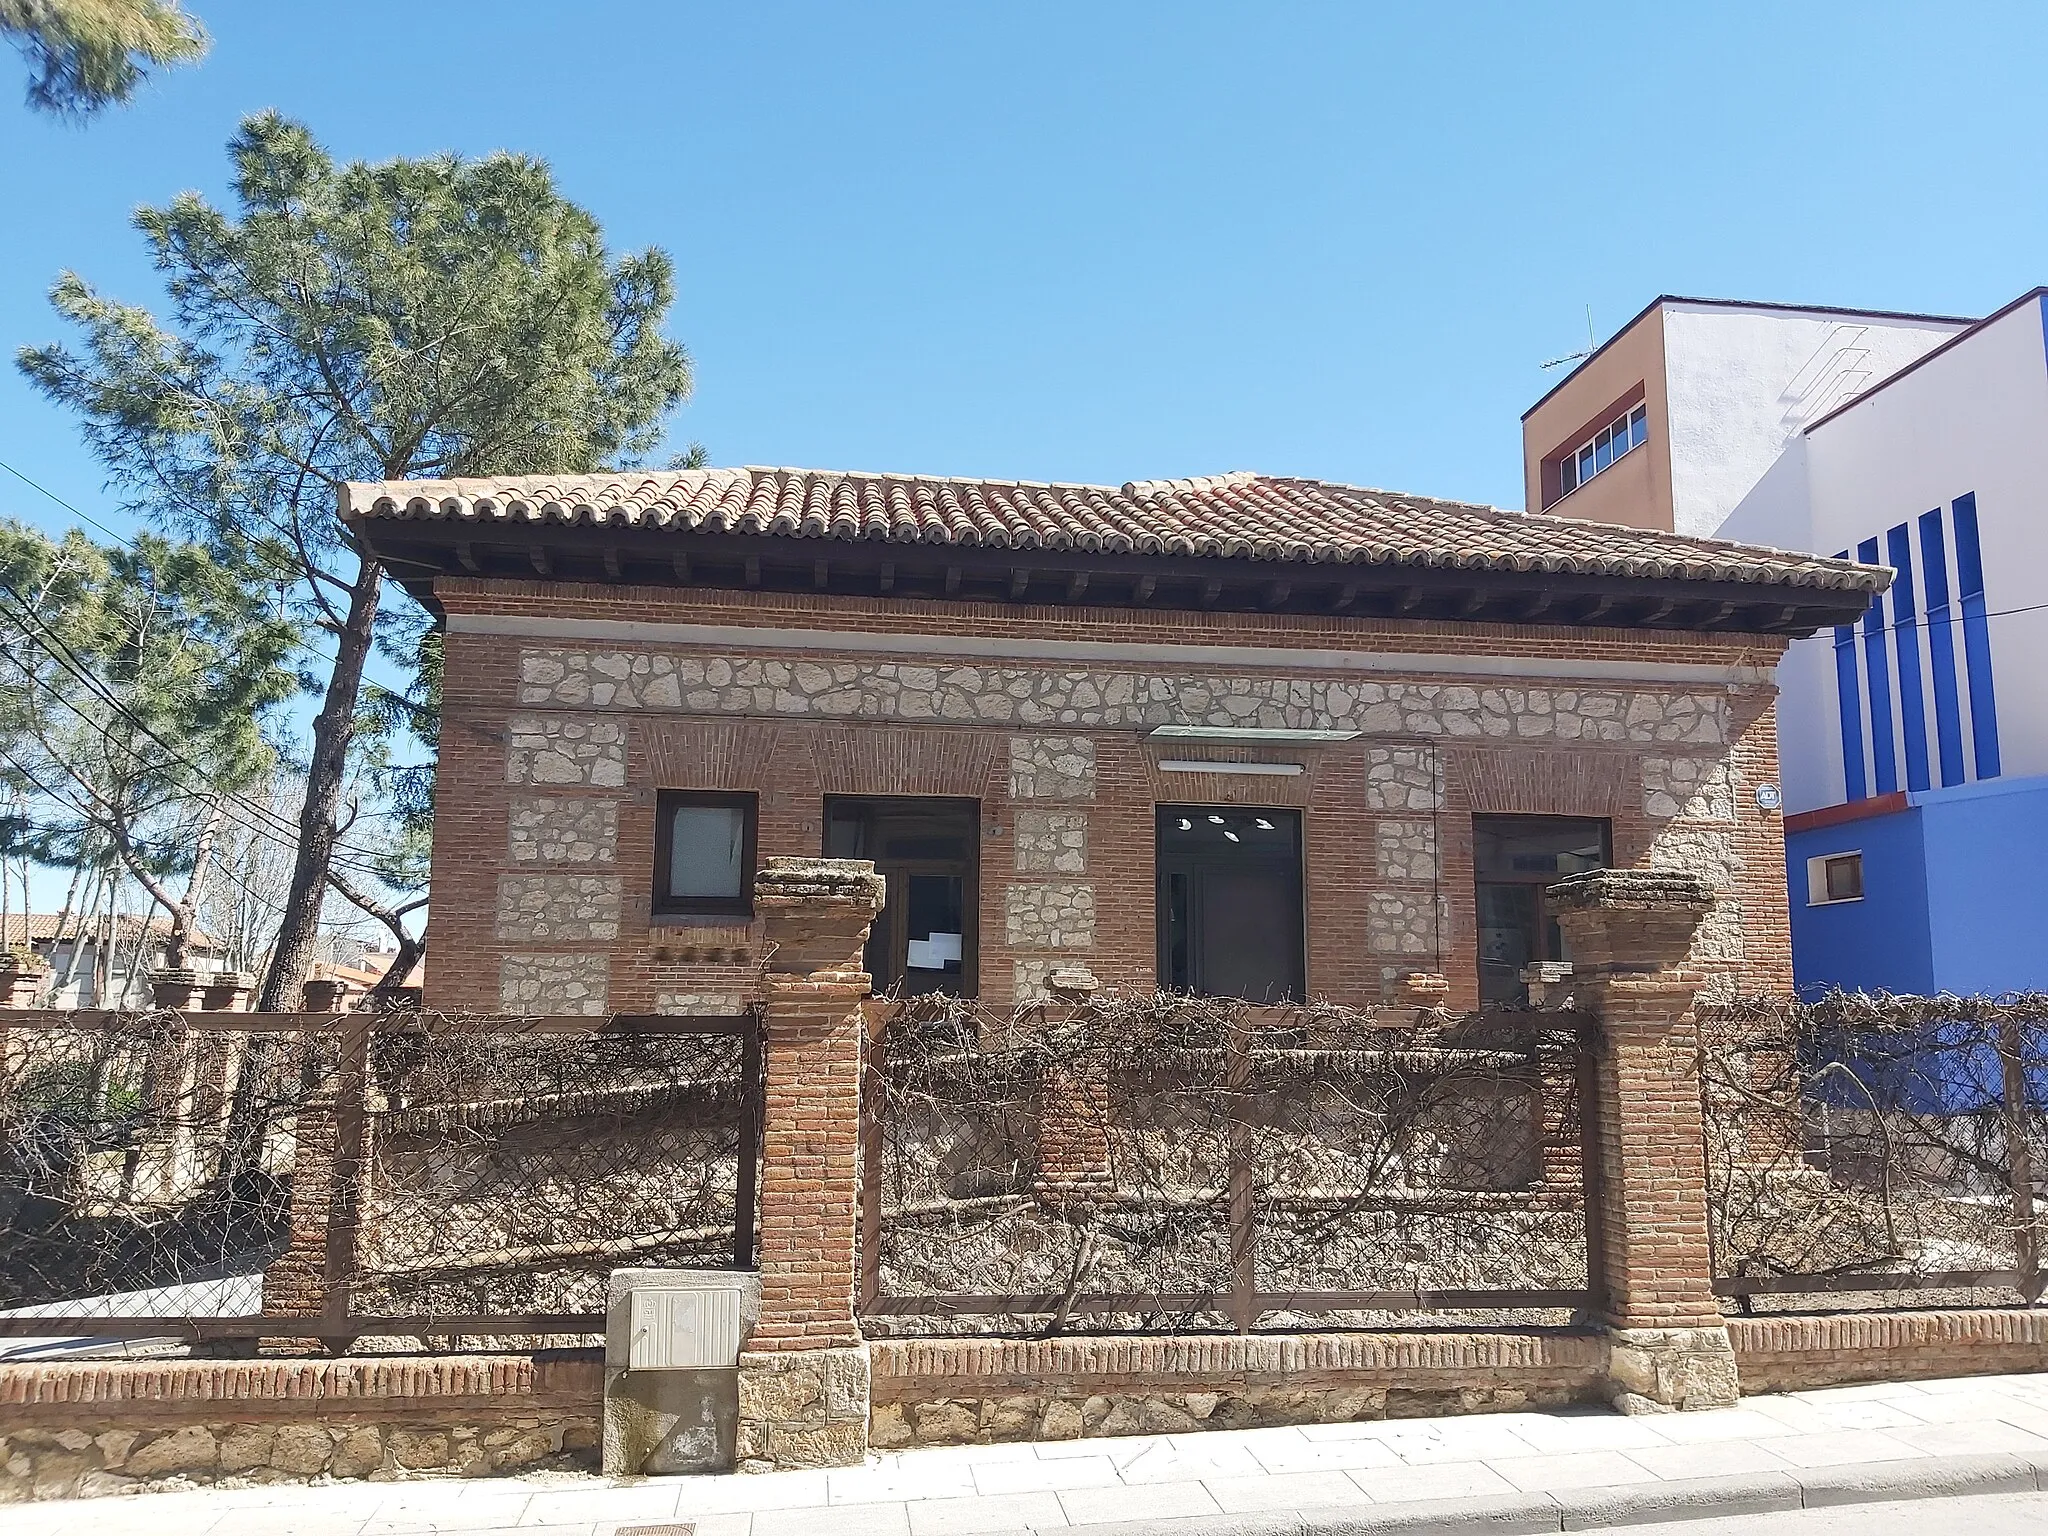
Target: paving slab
x=1496 y=1473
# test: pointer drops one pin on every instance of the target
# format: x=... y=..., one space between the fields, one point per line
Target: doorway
x=924 y=938
x=1230 y=903
x=1514 y=859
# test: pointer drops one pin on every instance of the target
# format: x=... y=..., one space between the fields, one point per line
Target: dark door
x=923 y=939
x=1230 y=906
x=1513 y=859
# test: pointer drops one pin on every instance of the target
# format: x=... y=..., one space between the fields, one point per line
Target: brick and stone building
x=1266 y=737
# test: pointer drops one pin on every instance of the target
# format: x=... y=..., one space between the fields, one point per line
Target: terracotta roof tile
x=1234 y=516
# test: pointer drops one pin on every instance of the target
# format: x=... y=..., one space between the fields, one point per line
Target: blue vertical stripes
x=1849 y=695
x=1870 y=763
x=1976 y=638
x=1877 y=674
x=1941 y=648
x=1906 y=641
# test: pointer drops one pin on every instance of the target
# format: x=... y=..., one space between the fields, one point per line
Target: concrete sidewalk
x=1573 y=1470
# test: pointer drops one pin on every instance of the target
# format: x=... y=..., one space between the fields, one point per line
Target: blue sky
x=1120 y=241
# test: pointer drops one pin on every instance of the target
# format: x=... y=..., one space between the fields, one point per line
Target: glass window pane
x=1845 y=878
x=1568 y=475
x=1603 y=452
x=1638 y=426
x=707 y=845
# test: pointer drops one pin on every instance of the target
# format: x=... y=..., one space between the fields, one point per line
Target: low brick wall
x=965 y=1391
x=1782 y=1354
x=80 y=1428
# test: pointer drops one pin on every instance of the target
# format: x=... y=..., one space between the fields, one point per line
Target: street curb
x=1588 y=1509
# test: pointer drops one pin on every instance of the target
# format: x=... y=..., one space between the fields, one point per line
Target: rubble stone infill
x=1106 y=700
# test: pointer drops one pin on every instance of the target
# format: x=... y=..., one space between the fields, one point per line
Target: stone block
x=1403 y=779
x=557 y=749
x=1053 y=914
x=557 y=908
x=189 y=1450
x=563 y=829
x=1051 y=842
x=1052 y=768
x=545 y=984
x=1406 y=850
x=1667 y=1370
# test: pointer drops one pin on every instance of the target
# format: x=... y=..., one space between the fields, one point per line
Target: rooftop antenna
x=1573 y=357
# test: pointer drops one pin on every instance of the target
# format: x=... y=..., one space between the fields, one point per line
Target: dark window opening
x=704 y=854
x=1514 y=858
x=1230 y=902
x=924 y=939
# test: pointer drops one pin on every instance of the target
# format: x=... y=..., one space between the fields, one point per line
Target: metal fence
x=1177 y=1163
x=343 y=1177
x=1859 y=1145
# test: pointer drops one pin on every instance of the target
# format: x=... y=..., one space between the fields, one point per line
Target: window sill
x=700 y=919
x=1837 y=901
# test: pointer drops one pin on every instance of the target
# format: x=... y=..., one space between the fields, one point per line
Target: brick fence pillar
x=1629 y=933
x=803 y=1367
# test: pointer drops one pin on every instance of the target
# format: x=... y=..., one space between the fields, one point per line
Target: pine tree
x=430 y=317
x=90 y=54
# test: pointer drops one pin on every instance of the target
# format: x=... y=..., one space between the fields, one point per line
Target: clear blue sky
x=1117 y=241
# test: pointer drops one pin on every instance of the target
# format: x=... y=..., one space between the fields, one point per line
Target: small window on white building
x=1626 y=431
x=1834 y=877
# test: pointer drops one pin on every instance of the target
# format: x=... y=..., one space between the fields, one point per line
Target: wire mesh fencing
x=357 y=1177
x=145 y=1168
x=1179 y=1163
x=1875 y=1151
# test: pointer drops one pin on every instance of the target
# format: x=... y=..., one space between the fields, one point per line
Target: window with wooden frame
x=704 y=854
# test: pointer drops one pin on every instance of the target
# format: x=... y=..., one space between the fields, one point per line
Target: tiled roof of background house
x=1235 y=516
x=41 y=927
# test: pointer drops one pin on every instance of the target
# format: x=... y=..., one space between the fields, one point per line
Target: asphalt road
x=2014 y=1514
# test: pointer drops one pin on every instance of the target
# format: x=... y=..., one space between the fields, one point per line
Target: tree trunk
x=291 y=959
x=186 y=912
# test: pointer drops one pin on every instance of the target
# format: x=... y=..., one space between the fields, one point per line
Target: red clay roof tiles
x=1240 y=516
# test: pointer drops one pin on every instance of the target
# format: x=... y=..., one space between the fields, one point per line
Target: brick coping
x=1809 y=1333
x=510 y=1381
x=1183 y=1360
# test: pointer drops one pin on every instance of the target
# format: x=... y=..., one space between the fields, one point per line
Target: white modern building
x=1914 y=744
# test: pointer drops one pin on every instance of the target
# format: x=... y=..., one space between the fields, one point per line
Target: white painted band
x=1189 y=765
x=970 y=648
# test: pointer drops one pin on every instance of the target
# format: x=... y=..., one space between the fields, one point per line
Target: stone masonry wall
x=83 y=1428
x=554 y=752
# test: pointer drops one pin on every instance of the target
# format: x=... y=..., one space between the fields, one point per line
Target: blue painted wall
x=1986 y=899
x=1952 y=900
x=1882 y=942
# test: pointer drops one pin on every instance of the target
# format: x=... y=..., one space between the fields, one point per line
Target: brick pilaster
x=1629 y=932
x=803 y=1368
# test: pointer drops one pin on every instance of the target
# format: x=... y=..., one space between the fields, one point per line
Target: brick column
x=1629 y=932
x=803 y=1372
x=1073 y=1112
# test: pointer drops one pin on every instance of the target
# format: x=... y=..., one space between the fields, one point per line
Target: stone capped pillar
x=178 y=988
x=1629 y=932
x=22 y=974
x=803 y=1371
x=229 y=991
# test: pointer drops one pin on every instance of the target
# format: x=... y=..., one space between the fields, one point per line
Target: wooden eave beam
x=416 y=554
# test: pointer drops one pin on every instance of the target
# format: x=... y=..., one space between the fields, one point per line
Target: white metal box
x=682 y=1329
